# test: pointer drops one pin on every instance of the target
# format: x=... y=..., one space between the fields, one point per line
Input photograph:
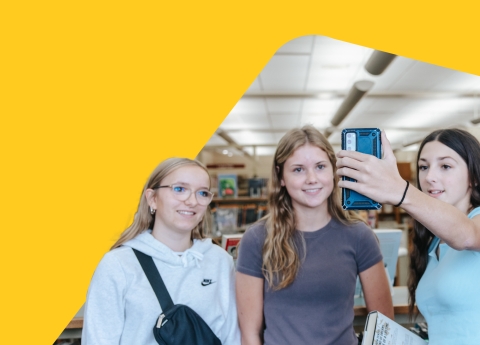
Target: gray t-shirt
x=317 y=308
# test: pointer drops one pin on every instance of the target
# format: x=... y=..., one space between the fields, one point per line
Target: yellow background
x=96 y=93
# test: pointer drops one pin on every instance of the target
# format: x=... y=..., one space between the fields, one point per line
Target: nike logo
x=207 y=282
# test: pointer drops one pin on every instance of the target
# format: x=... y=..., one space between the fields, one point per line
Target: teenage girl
x=170 y=226
x=297 y=268
x=445 y=262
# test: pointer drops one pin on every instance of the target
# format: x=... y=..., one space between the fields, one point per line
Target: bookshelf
x=233 y=215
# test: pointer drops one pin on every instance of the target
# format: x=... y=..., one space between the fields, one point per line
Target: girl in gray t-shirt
x=297 y=267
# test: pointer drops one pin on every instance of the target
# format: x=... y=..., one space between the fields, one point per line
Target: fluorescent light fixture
x=358 y=90
x=378 y=62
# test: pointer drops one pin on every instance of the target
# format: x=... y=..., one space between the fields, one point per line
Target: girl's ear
x=151 y=197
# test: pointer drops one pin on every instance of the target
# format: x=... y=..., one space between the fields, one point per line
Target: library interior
x=331 y=85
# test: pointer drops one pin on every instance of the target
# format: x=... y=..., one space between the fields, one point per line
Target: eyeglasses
x=203 y=196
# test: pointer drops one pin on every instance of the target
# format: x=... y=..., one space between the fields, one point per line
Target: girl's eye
x=203 y=193
x=446 y=167
x=178 y=189
x=422 y=167
x=297 y=170
x=320 y=166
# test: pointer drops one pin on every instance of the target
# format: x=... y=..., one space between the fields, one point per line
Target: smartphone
x=365 y=140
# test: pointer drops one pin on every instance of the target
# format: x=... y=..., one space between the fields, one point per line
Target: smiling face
x=175 y=216
x=308 y=177
x=443 y=175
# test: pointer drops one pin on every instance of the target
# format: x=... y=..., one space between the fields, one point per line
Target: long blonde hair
x=143 y=219
x=281 y=259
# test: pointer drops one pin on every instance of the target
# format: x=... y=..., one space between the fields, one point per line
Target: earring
x=152 y=210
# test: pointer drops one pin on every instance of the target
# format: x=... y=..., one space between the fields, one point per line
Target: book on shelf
x=226 y=219
x=230 y=243
x=227 y=186
x=381 y=330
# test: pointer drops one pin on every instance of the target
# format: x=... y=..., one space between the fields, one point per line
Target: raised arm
x=250 y=308
x=380 y=180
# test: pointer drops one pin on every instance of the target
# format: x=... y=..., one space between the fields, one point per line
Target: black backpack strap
x=155 y=280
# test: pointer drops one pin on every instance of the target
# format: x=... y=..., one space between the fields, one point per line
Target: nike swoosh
x=205 y=284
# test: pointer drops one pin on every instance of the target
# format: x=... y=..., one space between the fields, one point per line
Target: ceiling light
x=358 y=90
x=225 y=152
x=378 y=62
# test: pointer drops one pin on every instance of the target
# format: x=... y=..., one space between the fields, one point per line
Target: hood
x=149 y=245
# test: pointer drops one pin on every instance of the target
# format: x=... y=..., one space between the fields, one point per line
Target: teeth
x=436 y=191
x=311 y=190
x=186 y=212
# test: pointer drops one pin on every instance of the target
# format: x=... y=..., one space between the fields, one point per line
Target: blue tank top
x=448 y=294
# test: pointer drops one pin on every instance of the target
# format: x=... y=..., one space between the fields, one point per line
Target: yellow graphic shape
x=96 y=93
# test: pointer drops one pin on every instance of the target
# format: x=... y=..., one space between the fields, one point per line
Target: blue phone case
x=368 y=141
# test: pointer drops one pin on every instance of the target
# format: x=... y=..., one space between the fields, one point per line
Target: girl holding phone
x=170 y=226
x=297 y=267
x=445 y=262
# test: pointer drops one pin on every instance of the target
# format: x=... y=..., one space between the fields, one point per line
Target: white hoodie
x=121 y=307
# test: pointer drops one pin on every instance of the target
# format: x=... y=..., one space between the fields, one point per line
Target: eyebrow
x=439 y=159
x=186 y=184
x=301 y=165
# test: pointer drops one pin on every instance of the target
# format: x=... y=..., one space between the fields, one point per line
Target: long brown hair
x=467 y=147
x=281 y=259
x=143 y=219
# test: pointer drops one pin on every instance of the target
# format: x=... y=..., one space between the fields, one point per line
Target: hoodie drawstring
x=197 y=256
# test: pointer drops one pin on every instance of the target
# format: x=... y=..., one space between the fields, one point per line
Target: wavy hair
x=281 y=258
x=143 y=220
x=467 y=147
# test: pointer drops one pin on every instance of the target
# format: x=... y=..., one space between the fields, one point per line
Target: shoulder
x=354 y=228
x=120 y=259
x=256 y=233
x=475 y=212
x=217 y=252
x=117 y=256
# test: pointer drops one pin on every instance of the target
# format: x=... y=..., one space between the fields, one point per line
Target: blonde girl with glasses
x=297 y=268
x=170 y=226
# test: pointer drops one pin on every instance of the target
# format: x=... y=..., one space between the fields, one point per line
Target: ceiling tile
x=284 y=105
x=279 y=136
x=301 y=45
x=216 y=140
x=285 y=121
x=249 y=106
x=320 y=106
x=330 y=79
x=421 y=77
x=254 y=87
x=261 y=151
x=246 y=121
x=318 y=121
x=285 y=72
x=459 y=82
x=334 y=54
x=252 y=138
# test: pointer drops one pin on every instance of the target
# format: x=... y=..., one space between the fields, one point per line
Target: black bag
x=178 y=324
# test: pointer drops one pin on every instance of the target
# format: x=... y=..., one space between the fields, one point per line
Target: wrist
x=404 y=194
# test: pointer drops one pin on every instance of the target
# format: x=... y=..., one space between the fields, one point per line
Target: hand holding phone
x=364 y=140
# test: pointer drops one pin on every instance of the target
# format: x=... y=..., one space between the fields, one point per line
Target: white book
x=380 y=330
